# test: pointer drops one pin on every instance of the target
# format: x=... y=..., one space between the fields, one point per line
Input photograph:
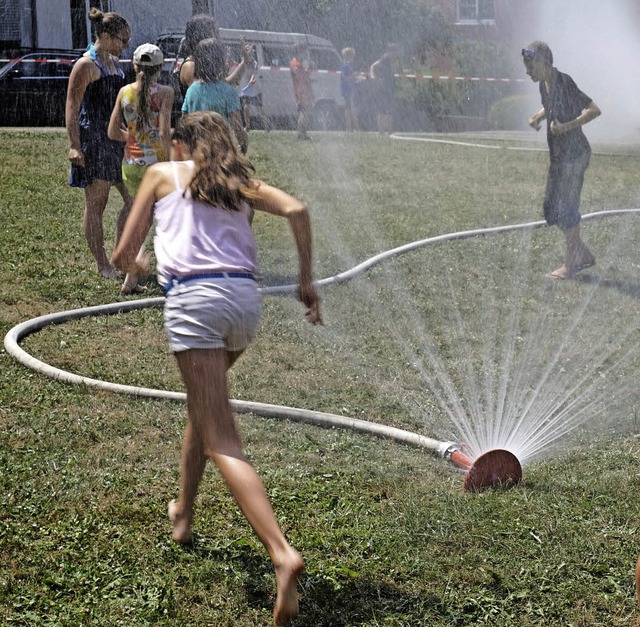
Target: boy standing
x=566 y=110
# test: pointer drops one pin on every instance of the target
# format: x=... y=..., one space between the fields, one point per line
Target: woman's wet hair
x=110 y=23
x=199 y=27
x=222 y=174
x=209 y=61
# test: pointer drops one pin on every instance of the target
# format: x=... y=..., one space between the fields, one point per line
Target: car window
x=63 y=67
x=324 y=59
x=276 y=56
x=170 y=45
x=34 y=66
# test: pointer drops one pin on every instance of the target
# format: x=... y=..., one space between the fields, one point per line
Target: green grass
x=387 y=533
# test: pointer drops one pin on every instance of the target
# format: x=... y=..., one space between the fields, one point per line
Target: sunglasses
x=125 y=42
x=528 y=54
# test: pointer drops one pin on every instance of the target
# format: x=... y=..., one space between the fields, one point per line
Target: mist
x=598 y=44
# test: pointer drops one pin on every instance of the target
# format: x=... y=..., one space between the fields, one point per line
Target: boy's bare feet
x=561 y=273
x=287 y=574
x=182 y=533
x=567 y=271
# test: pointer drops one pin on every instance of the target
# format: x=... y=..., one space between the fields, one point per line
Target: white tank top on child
x=194 y=237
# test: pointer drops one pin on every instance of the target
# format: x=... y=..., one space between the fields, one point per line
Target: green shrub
x=512 y=113
x=439 y=98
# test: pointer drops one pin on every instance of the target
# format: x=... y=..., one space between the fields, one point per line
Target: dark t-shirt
x=564 y=102
x=386 y=75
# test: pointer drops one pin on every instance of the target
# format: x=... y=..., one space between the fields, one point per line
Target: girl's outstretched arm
x=273 y=200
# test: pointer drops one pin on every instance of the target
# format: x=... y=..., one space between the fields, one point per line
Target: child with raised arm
x=141 y=118
x=210 y=92
x=206 y=259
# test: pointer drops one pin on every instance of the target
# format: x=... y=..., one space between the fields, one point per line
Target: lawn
x=462 y=339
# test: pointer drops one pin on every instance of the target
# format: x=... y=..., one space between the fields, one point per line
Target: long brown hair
x=145 y=77
x=223 y=174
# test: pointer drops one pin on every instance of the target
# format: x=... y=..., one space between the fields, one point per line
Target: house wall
x=513 y=19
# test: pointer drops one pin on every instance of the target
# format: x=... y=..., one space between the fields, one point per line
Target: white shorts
x=212 y=313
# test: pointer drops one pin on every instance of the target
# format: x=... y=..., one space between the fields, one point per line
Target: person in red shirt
x=302 y=87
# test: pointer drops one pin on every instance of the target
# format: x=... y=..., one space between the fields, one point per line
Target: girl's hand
x=142 y=262
x=309 y=297
x=76 y=157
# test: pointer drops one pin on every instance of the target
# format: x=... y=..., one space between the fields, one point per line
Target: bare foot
x=287 y=574
x=561 y=273
x=182 y=533
x=128 y=289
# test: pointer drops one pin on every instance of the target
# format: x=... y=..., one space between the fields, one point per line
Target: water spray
x=495 y=468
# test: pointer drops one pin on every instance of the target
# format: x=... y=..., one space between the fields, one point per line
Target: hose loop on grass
x=16 y=334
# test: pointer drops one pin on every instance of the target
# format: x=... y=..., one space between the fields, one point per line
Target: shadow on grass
x=335 y=597
x=330 y=603
x=628 y=288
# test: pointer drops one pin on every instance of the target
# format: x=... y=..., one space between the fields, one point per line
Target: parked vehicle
x=273 y=53
x=33 y=88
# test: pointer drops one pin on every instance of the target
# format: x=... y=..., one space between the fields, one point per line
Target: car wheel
x=326 y=117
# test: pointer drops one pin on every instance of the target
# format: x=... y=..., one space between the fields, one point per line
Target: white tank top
x=194 y=237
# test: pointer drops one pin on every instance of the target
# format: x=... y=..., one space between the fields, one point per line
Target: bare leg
x=246 y=116
x=303 y=125
x=192 y=465
x=638 y=580
x=266 y=122
x=213 y=434
x=130 y=284
x=96 y=197
x=578 y=256
x=127 y=203
x=349 y=124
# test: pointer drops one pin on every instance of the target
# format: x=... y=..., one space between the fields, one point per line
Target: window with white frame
x=476 y=12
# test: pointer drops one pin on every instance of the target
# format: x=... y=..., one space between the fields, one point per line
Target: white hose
x=13 y=337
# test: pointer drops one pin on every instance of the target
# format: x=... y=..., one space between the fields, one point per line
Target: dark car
x=33 y=88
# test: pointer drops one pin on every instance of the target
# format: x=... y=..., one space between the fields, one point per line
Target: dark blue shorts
x=564 y=186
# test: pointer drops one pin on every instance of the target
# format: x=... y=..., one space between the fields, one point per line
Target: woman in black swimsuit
x=96 y=161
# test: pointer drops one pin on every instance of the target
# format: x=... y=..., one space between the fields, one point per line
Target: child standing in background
x=348 y=83
x=141 y=118
x=210 y=92
x=250 y=93
x=302 y=87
